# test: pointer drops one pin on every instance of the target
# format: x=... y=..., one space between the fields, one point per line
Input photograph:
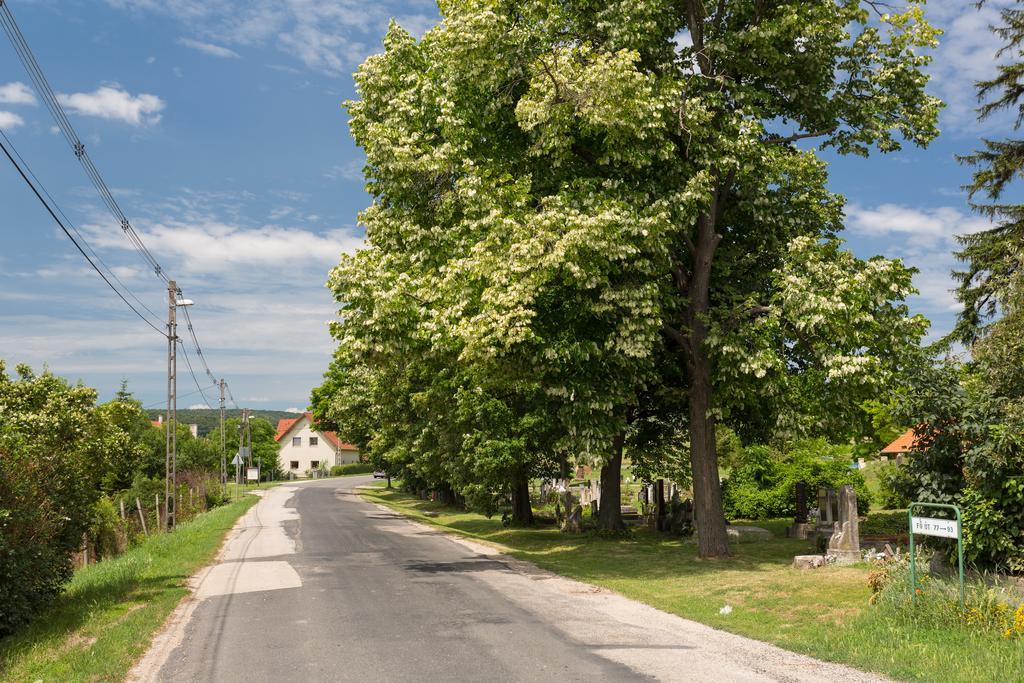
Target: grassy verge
x=823 y=613
x=105 y=619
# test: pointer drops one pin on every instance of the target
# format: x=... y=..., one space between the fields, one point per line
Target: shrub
x=885 y=524
x=106 y=529
x=895 y=482
x=46 y=489
x=761 y=486
x=352 y=468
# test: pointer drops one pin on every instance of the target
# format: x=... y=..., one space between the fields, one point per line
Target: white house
x=301 y=448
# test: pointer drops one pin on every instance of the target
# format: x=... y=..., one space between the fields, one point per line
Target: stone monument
x=828 y=515
x=844 y=545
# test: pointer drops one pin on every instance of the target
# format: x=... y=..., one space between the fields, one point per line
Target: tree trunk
x=522 y=511
x=712 y=539
x=609 y=515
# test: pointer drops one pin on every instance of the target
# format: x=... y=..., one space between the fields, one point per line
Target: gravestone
x=680 y=515
x=800 y=527
x=573 y=513
x=844 y=545
x=860 y=463
x=828 y=515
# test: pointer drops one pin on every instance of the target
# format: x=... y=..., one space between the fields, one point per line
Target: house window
x=294 y=464
x=313 y=464
x=314 y=440
x=296 y=440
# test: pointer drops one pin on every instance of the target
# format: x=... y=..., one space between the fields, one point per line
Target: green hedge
x=885 y=524
x=762 y=484
x=352 y=468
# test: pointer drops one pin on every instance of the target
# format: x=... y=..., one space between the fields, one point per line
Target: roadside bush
x=762 y=483
x=46 y=489
x=352 y=468
x=106 y=530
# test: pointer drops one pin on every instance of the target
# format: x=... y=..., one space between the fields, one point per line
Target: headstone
x=808 y=561
x=800 y=527
x=844 y=545
x=680 y=515
x=884 y=458
x=899 y=459
x=573 y=513
x=828 y=514
x=860 y=463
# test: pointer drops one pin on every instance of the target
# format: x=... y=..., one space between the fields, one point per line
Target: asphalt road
x=376 y=603
x=317 y=585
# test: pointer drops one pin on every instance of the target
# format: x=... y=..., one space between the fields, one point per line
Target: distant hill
x=209 y=420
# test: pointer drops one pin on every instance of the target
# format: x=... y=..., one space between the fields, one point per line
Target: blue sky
x=219 y=127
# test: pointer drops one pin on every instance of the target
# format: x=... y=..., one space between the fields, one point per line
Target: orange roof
x=284 y=425
x=904 y=443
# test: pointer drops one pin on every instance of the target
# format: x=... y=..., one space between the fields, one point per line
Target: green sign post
x=932 y=526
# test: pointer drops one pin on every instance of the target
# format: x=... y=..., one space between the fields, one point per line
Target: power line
x=52 y=103
x=46 y=93
x=70 y=224
x=7 y=147
x=163 y=403
x=195 y=379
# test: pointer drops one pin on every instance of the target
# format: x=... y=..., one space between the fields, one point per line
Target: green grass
x=823 y=613
x=104 y=621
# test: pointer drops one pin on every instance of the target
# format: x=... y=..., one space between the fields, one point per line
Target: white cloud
x=966 y=54
x=209 y=48
x=924 y=238
x=16 y=93
x=330 y=36
x=351 y=171
x=211 y=246
x=294 y=410
x=113 y=102
x=198 y=406
x=930 y=225
x=10 y=120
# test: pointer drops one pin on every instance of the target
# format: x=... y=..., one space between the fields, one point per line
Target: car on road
x=380 y=475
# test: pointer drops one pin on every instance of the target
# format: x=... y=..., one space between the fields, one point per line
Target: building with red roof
x=302 y=448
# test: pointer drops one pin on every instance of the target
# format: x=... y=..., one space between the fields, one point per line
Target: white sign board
x=252 y=474
x=930 y=526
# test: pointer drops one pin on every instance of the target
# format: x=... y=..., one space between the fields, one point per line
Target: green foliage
x=885 y=524
x=970 y=451
x=575 y=220
x=762 y=485
x=106 y=530
x=47 y=490
x=895 y=481
x=352 y=468
x=992 y=280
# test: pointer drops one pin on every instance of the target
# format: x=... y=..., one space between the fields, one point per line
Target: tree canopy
x=594 y=217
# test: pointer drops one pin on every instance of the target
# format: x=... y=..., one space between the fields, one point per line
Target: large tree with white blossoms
x=564 y=192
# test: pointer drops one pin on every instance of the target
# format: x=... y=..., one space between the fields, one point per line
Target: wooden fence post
x=161 y=518
x=142 y=516
x=122 y=509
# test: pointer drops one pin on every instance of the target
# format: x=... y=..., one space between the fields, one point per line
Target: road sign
x=244 y=452
x=252 y=474
x=930 y=526
x=237 y=460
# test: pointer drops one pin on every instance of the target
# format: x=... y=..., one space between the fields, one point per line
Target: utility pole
x=171 y=424
x=223 y=446
x=248 y=444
